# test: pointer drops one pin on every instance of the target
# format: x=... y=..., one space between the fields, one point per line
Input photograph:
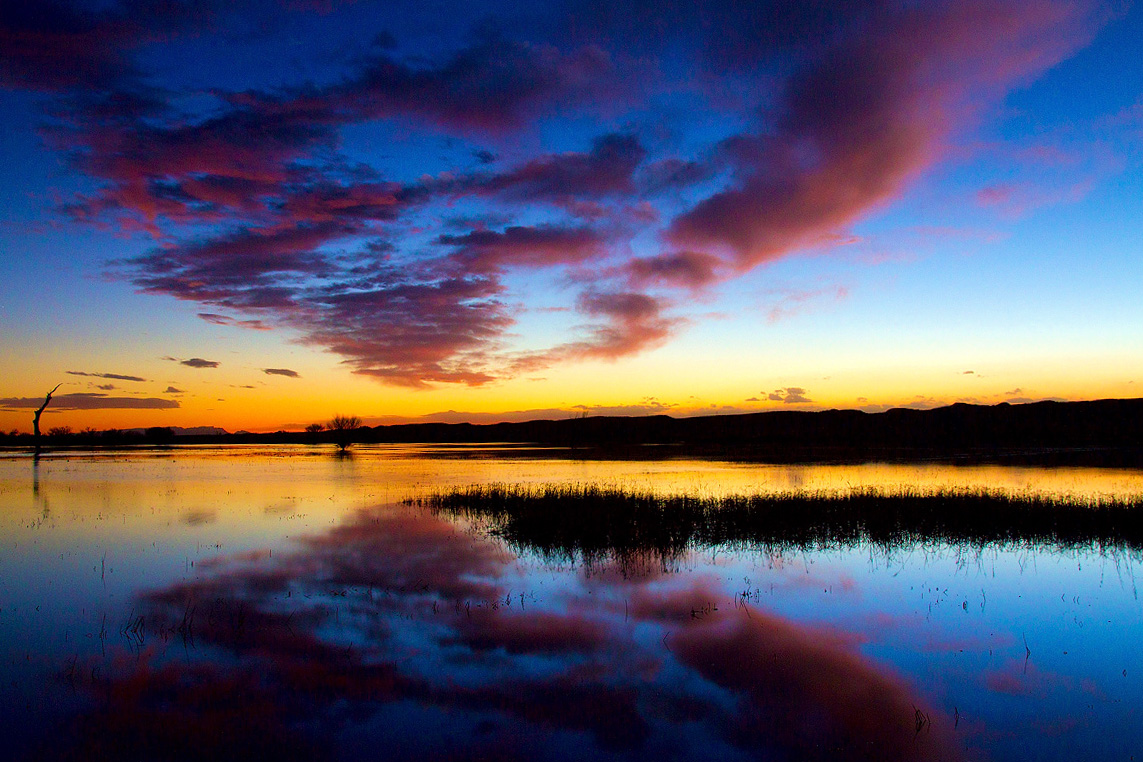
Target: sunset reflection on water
x=265 y=602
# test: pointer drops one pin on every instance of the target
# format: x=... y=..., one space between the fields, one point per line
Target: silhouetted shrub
x=312 y=431
x=344 y=429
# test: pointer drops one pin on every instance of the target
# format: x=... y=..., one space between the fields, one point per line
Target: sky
x=257 y=214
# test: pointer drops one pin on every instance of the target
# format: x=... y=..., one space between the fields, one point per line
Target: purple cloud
x=413 y=333
x=198 y=362
x=530 y=247
x=281 y=372
x=684 y=269
x=791 y=395
x=864 y=117
x=605 y=171
x=631 y=156
x=626 y=323
x=217 y=319
x=114 y=376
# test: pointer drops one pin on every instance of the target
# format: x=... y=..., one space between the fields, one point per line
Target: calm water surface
x=257 y=602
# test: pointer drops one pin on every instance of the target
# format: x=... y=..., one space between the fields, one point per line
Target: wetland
x=479 y=602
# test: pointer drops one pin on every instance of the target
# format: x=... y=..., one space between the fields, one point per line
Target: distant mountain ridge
x=972 y=430
x=1100 y=423
x=1113 y=425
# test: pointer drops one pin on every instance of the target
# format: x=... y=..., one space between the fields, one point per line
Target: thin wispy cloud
x=255 y=325
x=281 y=372
x=115 y=376
x=88 y=401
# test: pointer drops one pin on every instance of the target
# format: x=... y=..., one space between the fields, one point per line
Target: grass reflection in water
x=593 y=522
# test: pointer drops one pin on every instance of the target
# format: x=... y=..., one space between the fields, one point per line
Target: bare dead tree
x=36 y=417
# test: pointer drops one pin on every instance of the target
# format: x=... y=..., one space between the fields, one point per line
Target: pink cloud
x=798 y=122
x=217 y=319
x=624 y=323
x=859 y=123
x=541 y=246
x=993 y=195
x=634 y=322
x=412 y=334
x=796 y=302
x=1015 y=200
x=685 y=269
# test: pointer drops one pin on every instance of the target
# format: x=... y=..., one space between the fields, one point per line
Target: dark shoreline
x=1101 y=432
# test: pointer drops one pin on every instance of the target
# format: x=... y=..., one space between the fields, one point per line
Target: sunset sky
x=257 y=214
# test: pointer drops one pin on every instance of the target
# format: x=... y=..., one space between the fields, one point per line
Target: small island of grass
x=595 y=522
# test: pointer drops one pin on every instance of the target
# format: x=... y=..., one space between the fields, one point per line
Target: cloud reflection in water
x=402 y=634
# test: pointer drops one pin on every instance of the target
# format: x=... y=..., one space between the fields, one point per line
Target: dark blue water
x=280 y=603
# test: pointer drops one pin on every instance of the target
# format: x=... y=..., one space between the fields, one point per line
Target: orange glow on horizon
x=260 y=410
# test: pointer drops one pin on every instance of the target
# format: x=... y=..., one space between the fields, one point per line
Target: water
x=249 y=602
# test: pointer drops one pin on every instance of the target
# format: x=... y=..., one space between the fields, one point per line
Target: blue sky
x=653 y=207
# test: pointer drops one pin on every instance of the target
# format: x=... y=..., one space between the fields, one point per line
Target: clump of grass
x=586 y=520
x=593 y=521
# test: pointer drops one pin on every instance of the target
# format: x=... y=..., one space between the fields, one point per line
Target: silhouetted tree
x=36 y=417
x=343 y=428
x=313 y=430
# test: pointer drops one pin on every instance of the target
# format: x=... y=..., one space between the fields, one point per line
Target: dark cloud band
x=116 y=376
x=91 y=401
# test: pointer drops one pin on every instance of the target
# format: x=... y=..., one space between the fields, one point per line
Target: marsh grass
x=593 y=522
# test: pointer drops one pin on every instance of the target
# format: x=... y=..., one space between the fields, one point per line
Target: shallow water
x=248 y=602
